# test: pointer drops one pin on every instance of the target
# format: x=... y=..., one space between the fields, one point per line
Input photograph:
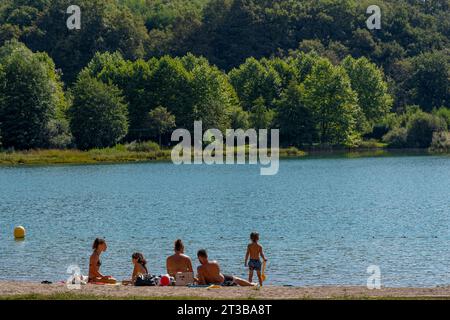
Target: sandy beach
x=11 y=289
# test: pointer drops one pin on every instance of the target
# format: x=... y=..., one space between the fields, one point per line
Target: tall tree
x=429 y=83
x=261 y=117
x=170 y=86
x=368 y=83
x=253 y=80
x=294 y=119
x=98 y=116
x=132 y=78
x=161 y=121
x=328 y=94
x=31 y=98
x=214 y=98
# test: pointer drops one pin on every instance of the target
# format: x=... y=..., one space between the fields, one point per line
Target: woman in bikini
x=95 y=263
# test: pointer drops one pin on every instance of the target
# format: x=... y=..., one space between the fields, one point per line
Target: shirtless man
x=209 y=273
x=179 y=262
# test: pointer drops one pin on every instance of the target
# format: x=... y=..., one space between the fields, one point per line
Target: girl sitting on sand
x=95 y=263
x=254 y=252
x=140 y=266
x=140 y=276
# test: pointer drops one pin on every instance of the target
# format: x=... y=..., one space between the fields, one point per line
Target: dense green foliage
x=441 y=142
x=308 y=67
x=188 y=87
x=32 y=102
x=421 y=129
x=372 y=91
x=327 y=92
x=41 y=25
x=161 y=121
x=443 y=113
x=98 y=116
x=414 y=128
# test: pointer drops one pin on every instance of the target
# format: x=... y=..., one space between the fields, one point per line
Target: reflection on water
x=321 y=220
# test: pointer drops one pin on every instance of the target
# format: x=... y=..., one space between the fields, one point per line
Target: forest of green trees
x=139 y=68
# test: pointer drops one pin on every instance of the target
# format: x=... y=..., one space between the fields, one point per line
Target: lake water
x=322 y=221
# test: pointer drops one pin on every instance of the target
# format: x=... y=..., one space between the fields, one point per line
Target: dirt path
x=27 y=288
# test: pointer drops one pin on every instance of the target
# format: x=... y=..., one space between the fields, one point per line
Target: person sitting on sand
x=209 y=273
x=140 y=268
x=179 y=262
x=254 y=252
x=95 y=263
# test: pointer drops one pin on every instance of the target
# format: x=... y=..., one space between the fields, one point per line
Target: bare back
x=209 y=273
x=178 y=263
x=138 y=270
x=254 y=250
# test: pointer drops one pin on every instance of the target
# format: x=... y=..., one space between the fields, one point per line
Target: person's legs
x=255 y=265
x=258 y=272
x=242 y=282
x=104 y=280
x=250 y=275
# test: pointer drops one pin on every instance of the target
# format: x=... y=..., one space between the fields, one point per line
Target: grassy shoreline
x=34 y=291
x=80 y=296
x=121 y=155
x=96 y=156
x=99 y=156
x=90 y=297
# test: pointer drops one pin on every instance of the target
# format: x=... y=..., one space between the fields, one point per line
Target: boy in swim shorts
x=254 y=252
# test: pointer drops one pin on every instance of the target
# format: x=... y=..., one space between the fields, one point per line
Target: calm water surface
x=322 y=221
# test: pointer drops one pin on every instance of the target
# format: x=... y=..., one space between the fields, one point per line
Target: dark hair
x=254 y=236
x=97 y=242
x=179 y=246
x=141 y=260
x=202 y=253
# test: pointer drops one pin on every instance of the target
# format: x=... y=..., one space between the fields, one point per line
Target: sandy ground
x=26 y=288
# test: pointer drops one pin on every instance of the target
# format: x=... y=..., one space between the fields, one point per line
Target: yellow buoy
x=19 y=232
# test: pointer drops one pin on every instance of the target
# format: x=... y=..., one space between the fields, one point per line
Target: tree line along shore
x=135 y=72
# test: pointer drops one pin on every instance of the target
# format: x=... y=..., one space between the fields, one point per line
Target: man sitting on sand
x=179 y=262
x=209 y=273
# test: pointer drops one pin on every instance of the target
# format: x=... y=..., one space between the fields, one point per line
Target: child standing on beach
x=254 y=252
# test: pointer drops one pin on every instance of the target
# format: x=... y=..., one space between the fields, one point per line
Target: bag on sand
x=183 y=279
x=146 y=281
